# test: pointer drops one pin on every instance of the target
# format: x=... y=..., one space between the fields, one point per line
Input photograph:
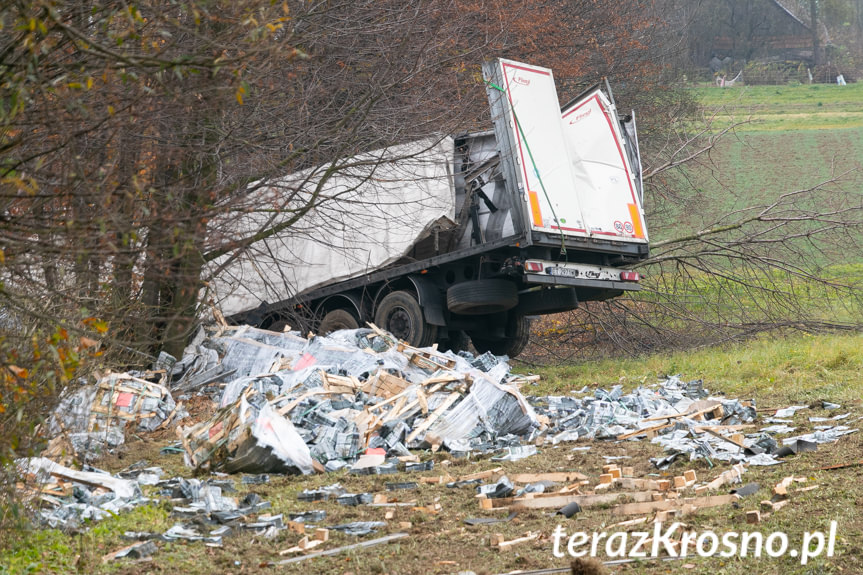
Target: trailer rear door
x=605 y=182
x=571 y=166
x=526 y=96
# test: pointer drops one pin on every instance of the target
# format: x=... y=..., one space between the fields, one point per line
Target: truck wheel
x=517 y=338
x=480 y=297
x=278 y=324
x=456 y=341
x=337 y=319
x=400 y=314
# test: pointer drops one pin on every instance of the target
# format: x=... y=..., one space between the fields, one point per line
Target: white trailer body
x=369 y=214
x=467 y=235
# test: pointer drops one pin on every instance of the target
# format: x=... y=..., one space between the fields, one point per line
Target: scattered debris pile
x=69 y=497
x=292 y=404
x=289 y=404
x=361 y=400
x=95 y=416
x=682 y=418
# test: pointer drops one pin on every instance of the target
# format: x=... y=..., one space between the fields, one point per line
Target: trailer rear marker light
x=629 y=276
x=533 y=266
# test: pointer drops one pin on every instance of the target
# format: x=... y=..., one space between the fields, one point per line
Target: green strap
x=535 y=169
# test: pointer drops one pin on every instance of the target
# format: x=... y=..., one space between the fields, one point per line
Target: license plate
x=568 y=272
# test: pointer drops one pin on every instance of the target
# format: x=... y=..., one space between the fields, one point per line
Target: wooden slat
x=650 y=506
x=556 y=500
x=435 y=415
x=679 y=415
x=728 y=439
x=556 y=477
x=643 y=430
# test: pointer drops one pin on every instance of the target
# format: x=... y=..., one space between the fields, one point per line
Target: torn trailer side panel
x=450 y=238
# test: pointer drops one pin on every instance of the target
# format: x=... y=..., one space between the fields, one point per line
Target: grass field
x=794 y=137
x=783 y=108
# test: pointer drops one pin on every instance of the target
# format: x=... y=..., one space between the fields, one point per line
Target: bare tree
x=777 y=263
x=142 y=124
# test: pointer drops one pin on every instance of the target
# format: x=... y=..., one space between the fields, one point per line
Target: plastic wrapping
x=95 y=416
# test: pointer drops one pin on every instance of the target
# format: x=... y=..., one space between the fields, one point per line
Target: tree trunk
x=816 y=43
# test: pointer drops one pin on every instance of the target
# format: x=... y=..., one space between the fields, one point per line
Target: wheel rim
x=399 y=323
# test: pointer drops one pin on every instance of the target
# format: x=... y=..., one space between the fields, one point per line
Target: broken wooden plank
x=439 y=480
x=650 y=506
x=296 y=527
x=781 y=488
x=767 y=505
x=728 y=439
x=385 y=385
x=416 y=402
x=690 y=415
x=506 y=545
x=842 y=465
x=727 y=477
x=556 y=500
x=554 y=477
x=337 y=550
x=628 y=523
x=443 y=378
x=435 y=415
x=638 y=432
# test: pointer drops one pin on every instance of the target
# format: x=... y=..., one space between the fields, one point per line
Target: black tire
x=278 y=324
x=337 y=319
x=482 y=297
x=517 y=338
x=547 y=301
x=400 y=314
x=456 y=341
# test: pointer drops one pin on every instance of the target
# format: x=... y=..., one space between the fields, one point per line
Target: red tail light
x=533 y=266
x=629 y=276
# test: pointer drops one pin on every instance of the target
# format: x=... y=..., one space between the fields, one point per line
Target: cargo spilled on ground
x=489 y=459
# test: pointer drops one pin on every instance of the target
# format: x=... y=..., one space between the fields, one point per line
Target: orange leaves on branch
x=19 y=372
x=95 y=323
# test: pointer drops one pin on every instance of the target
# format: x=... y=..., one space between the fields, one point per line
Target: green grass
x=786 y=108
x=778 y=370
x=799 y=137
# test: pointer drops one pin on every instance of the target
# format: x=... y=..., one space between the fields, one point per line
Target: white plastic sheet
x=369 y=213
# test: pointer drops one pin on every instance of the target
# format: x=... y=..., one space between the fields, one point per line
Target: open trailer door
x=529 y=130
x=606 y=182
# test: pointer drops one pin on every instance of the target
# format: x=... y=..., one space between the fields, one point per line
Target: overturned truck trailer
x=450 y=238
